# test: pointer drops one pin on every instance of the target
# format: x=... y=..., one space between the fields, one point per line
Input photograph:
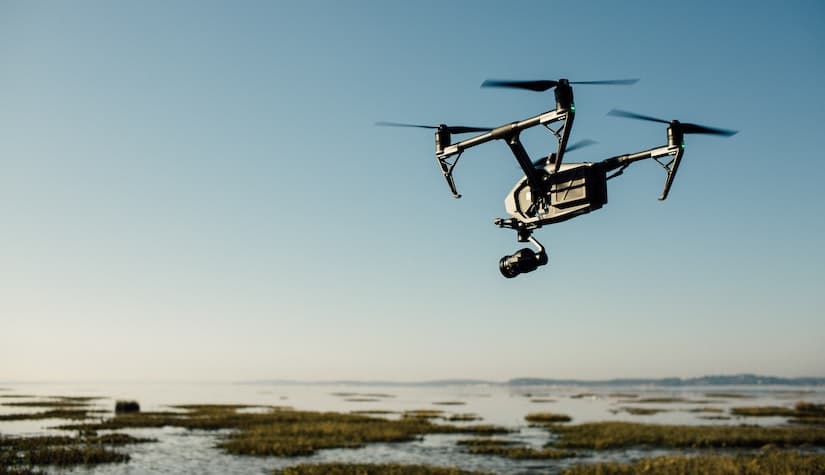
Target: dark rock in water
x=122 y=407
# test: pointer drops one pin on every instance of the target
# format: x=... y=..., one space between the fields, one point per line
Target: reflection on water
x=182 y=451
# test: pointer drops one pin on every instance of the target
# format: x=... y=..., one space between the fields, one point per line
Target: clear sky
x=196 y=191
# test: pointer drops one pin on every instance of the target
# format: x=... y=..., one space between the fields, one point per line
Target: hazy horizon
x=197 y=191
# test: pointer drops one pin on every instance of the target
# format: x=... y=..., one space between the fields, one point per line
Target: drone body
x=575 y=189
x=552 y=191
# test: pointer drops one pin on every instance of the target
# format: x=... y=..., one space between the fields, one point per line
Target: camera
x=523 y=261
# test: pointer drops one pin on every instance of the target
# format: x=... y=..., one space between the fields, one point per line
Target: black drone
x=550 y=191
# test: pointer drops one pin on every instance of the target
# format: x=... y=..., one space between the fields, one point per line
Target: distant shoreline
x=716 y=380
x=670 y=382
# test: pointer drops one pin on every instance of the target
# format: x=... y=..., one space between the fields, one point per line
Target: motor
x=523 y=261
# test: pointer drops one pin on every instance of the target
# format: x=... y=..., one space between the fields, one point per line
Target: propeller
x=580 y=144
x=453 y=129
x=543 y=85
x=541 y=162
x=685 y=127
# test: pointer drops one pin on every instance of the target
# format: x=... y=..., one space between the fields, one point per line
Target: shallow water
x=182 y=451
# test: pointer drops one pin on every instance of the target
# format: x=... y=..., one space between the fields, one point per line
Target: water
x=182 y=451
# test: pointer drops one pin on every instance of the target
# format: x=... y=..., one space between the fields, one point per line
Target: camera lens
x=522 y=261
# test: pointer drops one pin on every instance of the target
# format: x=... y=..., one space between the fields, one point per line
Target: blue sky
x=196 y=190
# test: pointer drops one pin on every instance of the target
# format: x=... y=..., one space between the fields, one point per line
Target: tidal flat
x=237 y=428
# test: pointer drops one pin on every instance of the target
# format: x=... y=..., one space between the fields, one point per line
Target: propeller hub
x=675 y=136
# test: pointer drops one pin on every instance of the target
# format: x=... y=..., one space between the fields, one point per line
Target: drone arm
x=503 y=132
x=623 y=161
x=618 y=161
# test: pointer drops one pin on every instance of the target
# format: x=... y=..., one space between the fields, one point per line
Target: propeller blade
x=543 y=85
x=398 y=124
x=541 y=162
x=610 y=82
x=453 y=129
x=537 y=86
x=580 y=144
x=701 y=129
x=684 y=127
x=633 y=115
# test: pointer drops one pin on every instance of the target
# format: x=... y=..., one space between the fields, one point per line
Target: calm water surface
x=181 y=451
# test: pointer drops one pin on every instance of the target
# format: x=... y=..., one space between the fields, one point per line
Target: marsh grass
x=449 y=403
x=362 y=399
x=803 y=412
x=660 y=400
x=808 y=420
x=19 y=471
x=810 y=408
x=64 y=456
x=60 y=407
x=763 y=411
x=376 y=412
x=728 y=395
x=21 y=453
x=667 y=400
x=371 y=469
x=623 y=395
x=56 y=403
x=286 y=433
x=521 y=453
x=423 y=413
x=641 y=411
x=466 y=417
x=766 y=462
x=482 y=429
x=615 y=435
x=511 y=449
x=547 y=417
x=50 y=400
x=364 y=395
x=714 y=410
x=583 y=395
x=304 y=433
x=141 y=420
x=542 y=400
x=70 y=414
x=77 y=398
x=485 y=441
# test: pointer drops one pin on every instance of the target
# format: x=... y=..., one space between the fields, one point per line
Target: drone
x=552 y=191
